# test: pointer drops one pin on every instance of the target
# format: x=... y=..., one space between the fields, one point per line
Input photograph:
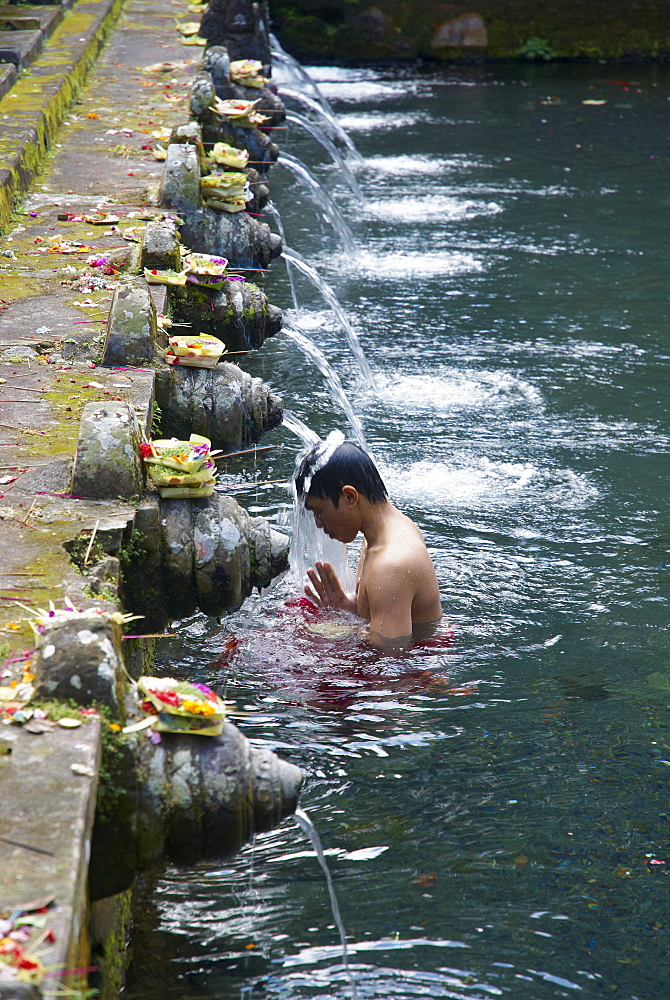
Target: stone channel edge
x=42 y=97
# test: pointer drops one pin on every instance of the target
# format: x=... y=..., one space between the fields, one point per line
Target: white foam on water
x=323 y=74
x=412 y=265
x=312 y=319
x=485 y=483
x=408 y=164
x=439 y=392
x=364 y=122
x=428 y=208
x=362 y=91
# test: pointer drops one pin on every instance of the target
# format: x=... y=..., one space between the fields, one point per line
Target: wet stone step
x=20 y=47
x=8 y=77
x=21 y=17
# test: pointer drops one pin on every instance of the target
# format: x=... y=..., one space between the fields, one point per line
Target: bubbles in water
x=404 y=164
x=480 y=482
x=427 y=209
x=413 y=264
x=457 y=388
x=374 y=120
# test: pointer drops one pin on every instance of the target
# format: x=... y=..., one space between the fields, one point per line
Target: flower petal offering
x=196 y=352
x=248 y=73
x=239 y=112
x=228 y=192
x=180 y=469
x=229 y=156
x=204 y=263
x=182 y=706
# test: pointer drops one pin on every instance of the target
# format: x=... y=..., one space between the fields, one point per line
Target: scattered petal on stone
x=83 y=769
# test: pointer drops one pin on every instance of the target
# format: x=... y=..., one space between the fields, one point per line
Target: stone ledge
x=46 y=92
x=21 y=47
x=8 y=77
x=51 y=849
x=22 y=17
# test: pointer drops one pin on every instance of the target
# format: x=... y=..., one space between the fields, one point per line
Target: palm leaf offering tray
x=203 y=263
x=181 y=706
x=239 y=112
x=181 y=469
x=206 y=269
x=198 y=352
x=155 y=277
x=229 y=156
x=228 y=192
x=248 y=73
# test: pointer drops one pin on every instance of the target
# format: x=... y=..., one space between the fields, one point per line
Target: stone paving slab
x=46 y=821
x=8 y=77
x=18 y=17
x=46 y=93
x=21 y=47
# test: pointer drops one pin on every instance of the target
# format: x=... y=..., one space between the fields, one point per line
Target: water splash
x=299 y=73
x=272 y=210
x=321 y=197
x=330 y=148
x=331 y=298
x=310 y=544
x=308 y=828
x=328 y=117
x=310 y=349
x=300 y=429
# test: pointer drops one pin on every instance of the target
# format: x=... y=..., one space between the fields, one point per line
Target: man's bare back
x=396 y=585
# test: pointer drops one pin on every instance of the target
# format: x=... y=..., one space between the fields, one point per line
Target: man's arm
x=389 y=592
x=327 y=590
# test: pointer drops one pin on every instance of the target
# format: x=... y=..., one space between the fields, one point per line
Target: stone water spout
x=207 y=554
x=187 y=797
x=217 y=63
x=223 y=403
x=242 y=26
x=239 y=314
x=182 y=555
x=217 y=128
x=246 y=243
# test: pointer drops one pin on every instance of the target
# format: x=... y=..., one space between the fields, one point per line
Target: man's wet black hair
x=349 y=465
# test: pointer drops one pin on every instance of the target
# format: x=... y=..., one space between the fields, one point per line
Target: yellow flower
x=197 y=707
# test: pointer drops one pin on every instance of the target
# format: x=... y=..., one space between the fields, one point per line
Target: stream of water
x=493 y=807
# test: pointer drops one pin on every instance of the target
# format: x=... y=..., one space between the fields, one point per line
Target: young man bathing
x=396 y=586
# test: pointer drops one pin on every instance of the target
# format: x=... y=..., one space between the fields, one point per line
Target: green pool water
x=496 y=815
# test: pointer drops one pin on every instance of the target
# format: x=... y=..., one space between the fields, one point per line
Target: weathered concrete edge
x=40 y=776
x=41 y=99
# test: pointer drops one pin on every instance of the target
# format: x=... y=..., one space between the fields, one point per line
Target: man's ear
x=350 y=495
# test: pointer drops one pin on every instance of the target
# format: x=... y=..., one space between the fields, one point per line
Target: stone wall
x=358 y=30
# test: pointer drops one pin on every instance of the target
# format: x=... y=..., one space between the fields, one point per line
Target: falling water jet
x=272 y=210
x=309 y=545
x=299 y=428
x=308 y=828
x=330 y=148
x=321 y=197
x=309 y=348
x=332 y=124
x=299 y=72
x=331 y=298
